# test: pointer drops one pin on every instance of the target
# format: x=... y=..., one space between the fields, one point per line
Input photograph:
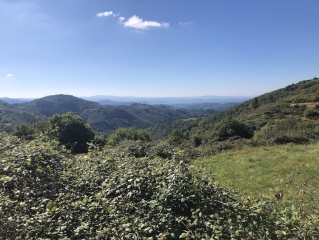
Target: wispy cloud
x=106 y=14
x=185 y=23
x=138 y=23
x=121 y=19
x=9 y=75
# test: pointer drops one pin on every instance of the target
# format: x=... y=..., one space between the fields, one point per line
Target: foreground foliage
x=46 y=192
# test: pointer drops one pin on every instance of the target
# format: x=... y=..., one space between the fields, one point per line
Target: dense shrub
x=290 y=138
x=30 y=176
x=287 y=124
x=131 y=134
x=195 y=141
x=177 y=137
x=24 y=131
x=100 y=140
x=46 y=193
x=228 y=128
x=311 y=113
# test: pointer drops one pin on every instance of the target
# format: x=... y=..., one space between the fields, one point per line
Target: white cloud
x=121 y=19
x=138 y=23
x=106 y=14
x=184 y=23
x=9 y=75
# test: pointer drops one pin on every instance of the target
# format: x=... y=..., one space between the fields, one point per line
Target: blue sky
x=156 y=48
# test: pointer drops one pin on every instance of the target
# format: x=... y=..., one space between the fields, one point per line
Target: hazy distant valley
x=173 y=101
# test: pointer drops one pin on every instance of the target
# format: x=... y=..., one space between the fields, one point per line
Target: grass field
x=265 y=171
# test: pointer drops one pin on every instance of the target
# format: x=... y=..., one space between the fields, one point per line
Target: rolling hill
x=290 y=114
x=16 y=100
x=101 y=118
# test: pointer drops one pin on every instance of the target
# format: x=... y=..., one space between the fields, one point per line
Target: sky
x=156 y=48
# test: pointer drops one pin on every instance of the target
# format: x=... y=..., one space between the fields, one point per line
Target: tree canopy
x=71 y=131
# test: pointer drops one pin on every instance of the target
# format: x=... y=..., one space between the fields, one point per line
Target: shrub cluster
x=47 y=193
x=122 y=134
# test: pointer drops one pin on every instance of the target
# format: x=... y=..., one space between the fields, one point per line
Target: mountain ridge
x=102 y=118
x=118 y=100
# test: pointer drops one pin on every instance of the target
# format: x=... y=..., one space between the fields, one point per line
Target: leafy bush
x=29 y=131
x=228 y=128
x=30 y=175
x=196 y=141
x=24 y=131
x=290 y=138
x=311 y=113
x=46 y=193
x=100 y=140
x=177 y=137
x=286 y=124
x=132 y=134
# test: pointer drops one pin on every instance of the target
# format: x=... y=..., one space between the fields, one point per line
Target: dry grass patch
x=307 y=104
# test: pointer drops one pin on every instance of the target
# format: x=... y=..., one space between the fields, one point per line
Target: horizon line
x=92 y=96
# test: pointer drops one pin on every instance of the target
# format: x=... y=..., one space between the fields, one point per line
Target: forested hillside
x=103 y=119
x=274 y=107
x=290 y=114
x=9 y=116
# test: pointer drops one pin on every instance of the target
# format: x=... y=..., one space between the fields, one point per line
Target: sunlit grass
x=264 y=171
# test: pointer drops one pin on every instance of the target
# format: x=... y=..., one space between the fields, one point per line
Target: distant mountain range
x=114 y=100
x=102 y=118
x=16 y=100
x=179 y=102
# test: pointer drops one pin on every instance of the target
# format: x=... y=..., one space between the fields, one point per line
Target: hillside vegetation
x=276 y=109
x=47 y=193
x=104 y=119
x=287 y=115
x=130 y=187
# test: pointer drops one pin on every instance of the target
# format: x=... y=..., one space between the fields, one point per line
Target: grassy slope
x=261 y=172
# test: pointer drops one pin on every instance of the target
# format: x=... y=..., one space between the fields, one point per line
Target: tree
x=254 y=103
x=71 y=131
